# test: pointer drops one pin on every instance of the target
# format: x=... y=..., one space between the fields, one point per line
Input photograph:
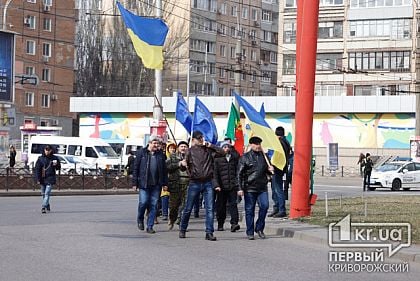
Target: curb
x=20 y=193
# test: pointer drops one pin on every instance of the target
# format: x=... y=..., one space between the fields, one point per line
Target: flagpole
x=157 y=110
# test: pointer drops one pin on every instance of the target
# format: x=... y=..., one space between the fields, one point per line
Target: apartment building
x=365 y=47
x=44 y=39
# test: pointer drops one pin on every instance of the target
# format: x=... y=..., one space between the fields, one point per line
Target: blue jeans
x=194 y=190
x=46 y=194
x=251 y=198
x=278 y=193
x=165 y=205
x=148 y=199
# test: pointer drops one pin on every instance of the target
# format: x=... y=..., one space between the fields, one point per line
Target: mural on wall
x=348 y=130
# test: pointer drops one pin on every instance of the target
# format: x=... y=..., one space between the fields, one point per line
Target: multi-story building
x=364 y=47
x=44 y=38
x=231 y=45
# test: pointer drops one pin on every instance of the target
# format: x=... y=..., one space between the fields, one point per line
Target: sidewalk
x=66 y=192
x=317 y=234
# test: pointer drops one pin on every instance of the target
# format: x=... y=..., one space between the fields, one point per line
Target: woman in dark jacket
x=45 y=168
x=12 y=156
x=226 y=185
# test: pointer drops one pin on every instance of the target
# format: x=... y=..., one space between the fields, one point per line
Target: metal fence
x=22 y=178
x=342 y=171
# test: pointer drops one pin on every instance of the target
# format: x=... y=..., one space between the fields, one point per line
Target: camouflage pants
x=177 y=202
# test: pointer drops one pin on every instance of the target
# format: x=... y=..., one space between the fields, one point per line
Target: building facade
x=364 y=47
x=44 y=66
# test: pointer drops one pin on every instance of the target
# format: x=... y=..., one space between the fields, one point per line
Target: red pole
x=307 y=35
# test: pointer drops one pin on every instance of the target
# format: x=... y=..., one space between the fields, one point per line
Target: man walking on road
x=45 y=168
x=252 y=176
x=277 y=184
x=200 y=164
x=150 y=176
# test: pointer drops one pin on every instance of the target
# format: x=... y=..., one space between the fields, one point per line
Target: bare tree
x=107 y=64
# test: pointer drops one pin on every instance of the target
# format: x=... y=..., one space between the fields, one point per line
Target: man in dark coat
x=45 y=168
x=150 y=176
x=253 y=171
x=226 y=183
x=200 y=164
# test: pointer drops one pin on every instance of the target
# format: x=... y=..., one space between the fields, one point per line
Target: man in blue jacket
x=45 y=168
x=150 y=176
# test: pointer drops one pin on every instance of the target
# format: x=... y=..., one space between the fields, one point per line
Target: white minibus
x=92 y=150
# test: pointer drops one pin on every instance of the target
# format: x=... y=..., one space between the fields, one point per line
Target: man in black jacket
x=150 y=176
x=45 y=168
x=226 y=183
x=199 y=162
x=253 y=171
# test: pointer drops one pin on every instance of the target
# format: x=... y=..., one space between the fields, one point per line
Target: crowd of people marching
x=216 y=174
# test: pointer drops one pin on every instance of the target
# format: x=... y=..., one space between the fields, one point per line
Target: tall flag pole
x=307 y=21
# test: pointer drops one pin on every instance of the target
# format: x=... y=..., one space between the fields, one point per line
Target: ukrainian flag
x=260 y=128
x=148 y=36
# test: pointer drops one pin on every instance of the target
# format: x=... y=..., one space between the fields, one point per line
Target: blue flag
x=262 y=110
x=203 y=122
x=182 y=113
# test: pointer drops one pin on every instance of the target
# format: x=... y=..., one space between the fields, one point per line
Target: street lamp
x=5 y=13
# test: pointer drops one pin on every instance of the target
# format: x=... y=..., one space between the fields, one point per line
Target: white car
x=396 y=175
x=74 y=165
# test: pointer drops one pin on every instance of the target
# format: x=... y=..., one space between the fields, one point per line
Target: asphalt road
x=96 y=238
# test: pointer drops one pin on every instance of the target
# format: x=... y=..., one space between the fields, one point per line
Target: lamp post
x=5 y=14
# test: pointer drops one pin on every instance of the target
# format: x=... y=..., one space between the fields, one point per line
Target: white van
x=92 y=150
x=131 y=144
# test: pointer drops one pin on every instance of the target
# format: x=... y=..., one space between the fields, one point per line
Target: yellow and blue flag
x=260 y=128
x=148 y=36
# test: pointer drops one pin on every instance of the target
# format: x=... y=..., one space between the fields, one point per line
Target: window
x=377 y=3
x=391 y=61
x=245 y=12
x=232 y=52
x=48 y=2
x=46 y=75
x=253 y=55
x=222 y=50
x=31 y=1
x=46 y=49
x=329 y=62
x=75 y=150
x=289 y=35
x=267 y=36
x=254 y=14
x=222 y=73
x=396 y=29
x=30 y=22
x=30 y=47
x=90 y=152
x=253 y=77
x=290 y=4
x=252 y=34
x=46 y=24
x=233 y=31
x=266 y=76
x=266 y=16
x=29 y=70
x=221 y=91
x=289 y=64
x=332 y=2
x=330 y=29
x=29 y=99
x=234 y=11
x=273 y=57
x=45 y=100
x=223 y=8
x=46 y=123
x=222 y=29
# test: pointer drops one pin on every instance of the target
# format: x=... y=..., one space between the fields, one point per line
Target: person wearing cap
x=278 y=184
x=253 y=172
x=226 y=183
x=150 y=176
x=45 y=175
x=200 y=164
x=178 y=182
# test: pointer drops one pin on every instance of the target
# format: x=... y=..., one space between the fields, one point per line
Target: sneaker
x=150 y=231
x=181 y=234
x=235 y=227
x=43 y=210
x=280 y=215
x=273 y=214
x=261 y=234
x=210 y=237
x=48 y=208
x=220 y=227
x=140 y=225
x=250 y=237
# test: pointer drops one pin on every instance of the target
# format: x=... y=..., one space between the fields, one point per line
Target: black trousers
x=224 y=197
x=366 y=180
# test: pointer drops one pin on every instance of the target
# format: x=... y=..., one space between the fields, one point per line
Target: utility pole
x=238 y=51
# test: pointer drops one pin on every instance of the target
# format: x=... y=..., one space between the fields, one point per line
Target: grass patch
x=378 y=209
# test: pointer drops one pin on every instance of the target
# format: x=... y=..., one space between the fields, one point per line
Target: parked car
x=74 y=165
x=396 y=175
